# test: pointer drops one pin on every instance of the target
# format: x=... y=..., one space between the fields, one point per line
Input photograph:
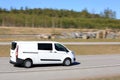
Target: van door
x=47 y=55
x=61 y=51
x=13 y=51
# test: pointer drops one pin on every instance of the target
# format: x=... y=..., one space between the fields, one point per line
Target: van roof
x=35 y=41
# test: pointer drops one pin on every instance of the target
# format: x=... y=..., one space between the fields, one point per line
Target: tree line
x=62 y=18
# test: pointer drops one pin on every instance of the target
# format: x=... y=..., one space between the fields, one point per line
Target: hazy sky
x=93 y=6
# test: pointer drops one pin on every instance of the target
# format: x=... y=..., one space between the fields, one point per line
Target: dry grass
x=29 y=30
x=9 y=39
x=4 y=51
x=78 y=49
x=87 y=40
x=95 y=49
x=102 y=49
x=102 y=78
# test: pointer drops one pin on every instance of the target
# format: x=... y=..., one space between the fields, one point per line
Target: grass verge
x=28 y=30
x=78 y=49
x=9 y=39
x=104 y=78
x=108 y=78
x=4 y=50
x=94 y=49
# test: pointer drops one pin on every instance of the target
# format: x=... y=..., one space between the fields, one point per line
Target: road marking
x=61 y=69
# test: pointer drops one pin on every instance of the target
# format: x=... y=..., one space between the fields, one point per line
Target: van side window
x=13 y=45
x=44 y=46
x=60 y=47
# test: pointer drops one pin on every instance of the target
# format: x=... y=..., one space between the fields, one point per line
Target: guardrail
x=77 y=43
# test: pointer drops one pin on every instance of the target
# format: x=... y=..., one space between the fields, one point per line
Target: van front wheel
x=67 y=62
x=27 y=63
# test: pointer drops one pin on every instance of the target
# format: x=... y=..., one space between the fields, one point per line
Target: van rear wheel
x=27 y=63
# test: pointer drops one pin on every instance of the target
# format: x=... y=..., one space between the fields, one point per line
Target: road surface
x=86 y=67
x=77 y=43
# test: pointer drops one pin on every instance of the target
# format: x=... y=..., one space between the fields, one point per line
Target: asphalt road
x=86 y=67
x=77 y=43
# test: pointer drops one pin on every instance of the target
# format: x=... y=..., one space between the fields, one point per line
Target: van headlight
x=73 y=53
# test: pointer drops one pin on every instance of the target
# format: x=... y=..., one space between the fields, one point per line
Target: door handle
x=55 y=51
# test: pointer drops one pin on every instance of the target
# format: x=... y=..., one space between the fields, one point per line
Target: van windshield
x=13 y=45
x=60 y=47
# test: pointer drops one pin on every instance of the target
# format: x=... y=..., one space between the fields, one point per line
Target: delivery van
x=28 y=53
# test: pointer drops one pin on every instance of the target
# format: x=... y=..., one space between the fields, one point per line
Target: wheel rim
x=67 y=62
x=27 y=64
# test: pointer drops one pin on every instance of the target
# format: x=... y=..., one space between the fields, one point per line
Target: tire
x=67 y=62
x=27 y=63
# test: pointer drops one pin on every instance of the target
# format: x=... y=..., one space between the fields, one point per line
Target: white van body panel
x=13 y=56
x=30 y=50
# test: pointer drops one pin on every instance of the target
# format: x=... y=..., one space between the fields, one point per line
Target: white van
x=28 y=53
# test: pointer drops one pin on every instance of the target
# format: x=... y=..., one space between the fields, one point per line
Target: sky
x=93 y=6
